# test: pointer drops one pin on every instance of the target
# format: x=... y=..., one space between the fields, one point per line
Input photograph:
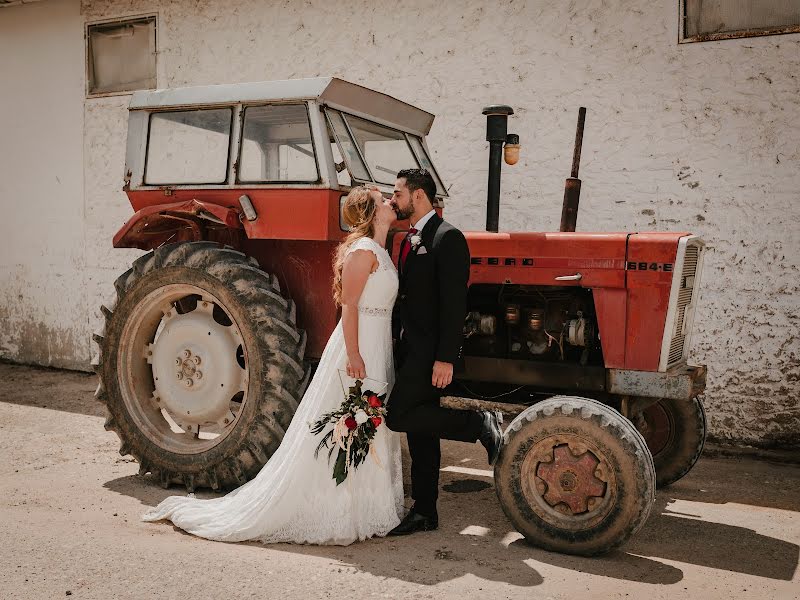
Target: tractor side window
x=188 y=147
x=385 y=150
x=348 y=146
x=426 y=163
x=277 y=145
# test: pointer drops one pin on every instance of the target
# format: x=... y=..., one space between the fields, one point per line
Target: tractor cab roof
x=329 y=91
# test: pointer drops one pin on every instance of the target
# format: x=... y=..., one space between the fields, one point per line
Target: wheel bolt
x=541 y=487
x=187 y=353
x=189 y=382
x=179 y=375
x=178 y=362
x=198 y=374
x=196 y=360
x=591 y=503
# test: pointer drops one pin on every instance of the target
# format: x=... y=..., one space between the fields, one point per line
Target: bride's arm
x=357 y=267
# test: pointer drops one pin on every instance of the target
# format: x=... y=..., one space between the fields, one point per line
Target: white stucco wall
x=698 y=137
x=43 y=305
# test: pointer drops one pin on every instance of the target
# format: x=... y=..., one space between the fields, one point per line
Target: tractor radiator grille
x=686 y=291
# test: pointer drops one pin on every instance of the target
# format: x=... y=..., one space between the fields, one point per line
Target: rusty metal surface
x=182 y=221
x=571 y=479
x=742 y=33
x=572 y=187
x=459 y=403
x=680 y=383
x=576 y=155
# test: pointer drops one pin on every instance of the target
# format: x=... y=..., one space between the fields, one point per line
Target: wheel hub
x=571 y=478
x=194 y=365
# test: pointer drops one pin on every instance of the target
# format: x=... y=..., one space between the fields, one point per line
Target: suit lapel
x=426 y=236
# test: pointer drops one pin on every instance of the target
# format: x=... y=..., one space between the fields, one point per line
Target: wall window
x=121 y=56
x=186 y=147
x=276 y=145
x=705 y=20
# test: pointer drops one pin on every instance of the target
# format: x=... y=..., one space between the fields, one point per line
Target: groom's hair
x=419 y=179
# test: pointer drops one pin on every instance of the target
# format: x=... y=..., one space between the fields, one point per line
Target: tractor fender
x=184 y=221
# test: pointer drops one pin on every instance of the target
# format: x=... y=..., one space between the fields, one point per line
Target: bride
x=294 y=498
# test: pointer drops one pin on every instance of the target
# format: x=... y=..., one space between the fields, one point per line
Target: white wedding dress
x=294 y=497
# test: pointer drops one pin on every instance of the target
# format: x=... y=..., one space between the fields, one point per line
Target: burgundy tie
x=406 y=248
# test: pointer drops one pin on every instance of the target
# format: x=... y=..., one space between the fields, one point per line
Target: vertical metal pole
x=572 y=187
x=496 y=130
x=493 y=198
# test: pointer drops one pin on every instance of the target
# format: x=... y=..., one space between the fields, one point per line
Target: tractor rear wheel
x=574 y=476
x=200 y=365
x=675 y=432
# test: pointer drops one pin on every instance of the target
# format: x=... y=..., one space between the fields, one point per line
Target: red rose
x=351 y=423
x=376 y=421
x=374 y=401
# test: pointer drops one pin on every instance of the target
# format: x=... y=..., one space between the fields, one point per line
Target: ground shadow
x=673 y=536
x=35 y=386
x=471 y=505
x=469 y=541
x=681 y=538
x=740 y=481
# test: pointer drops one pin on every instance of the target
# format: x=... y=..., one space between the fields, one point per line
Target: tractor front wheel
x=675 y=432
x=574 y=476
x=200 y=365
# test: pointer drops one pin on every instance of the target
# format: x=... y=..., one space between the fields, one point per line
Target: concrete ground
x=70 y=506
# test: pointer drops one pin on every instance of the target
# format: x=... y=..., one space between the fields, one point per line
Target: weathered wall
x=700 y=137
x=43 y=305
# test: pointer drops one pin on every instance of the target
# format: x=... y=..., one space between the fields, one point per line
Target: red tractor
x=216 y=329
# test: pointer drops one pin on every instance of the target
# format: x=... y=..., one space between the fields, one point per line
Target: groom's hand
x=442 y=374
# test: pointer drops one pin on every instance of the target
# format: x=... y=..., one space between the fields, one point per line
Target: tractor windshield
x=376 y=152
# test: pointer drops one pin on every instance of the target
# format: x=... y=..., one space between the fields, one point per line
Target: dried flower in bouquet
x=354 y=425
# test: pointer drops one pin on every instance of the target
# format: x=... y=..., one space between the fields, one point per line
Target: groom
x=428 y=325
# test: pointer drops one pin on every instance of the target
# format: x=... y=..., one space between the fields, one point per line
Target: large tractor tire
x=200 y=365
x=574 y=476
x=675 y=432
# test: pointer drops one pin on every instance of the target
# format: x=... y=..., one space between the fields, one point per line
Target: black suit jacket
x=432 y=299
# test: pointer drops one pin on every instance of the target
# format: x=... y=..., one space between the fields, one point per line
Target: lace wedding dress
x=294 y=498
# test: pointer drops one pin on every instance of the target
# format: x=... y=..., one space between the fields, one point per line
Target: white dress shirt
x=421 y=223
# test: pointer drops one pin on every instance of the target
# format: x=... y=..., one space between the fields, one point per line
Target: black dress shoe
x=492 y=436
x=414 y=522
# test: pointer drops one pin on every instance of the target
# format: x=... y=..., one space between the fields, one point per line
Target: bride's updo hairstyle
x=358 y=213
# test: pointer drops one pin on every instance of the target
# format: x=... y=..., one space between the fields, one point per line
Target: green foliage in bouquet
x=355 y=424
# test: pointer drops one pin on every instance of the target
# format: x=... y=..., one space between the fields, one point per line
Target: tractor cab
x=253 y=148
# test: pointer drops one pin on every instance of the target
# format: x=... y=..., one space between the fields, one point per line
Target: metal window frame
x=237 y=180
x=401 y=132
x=727 y=35
x=355 y=144
x=118 y=21
x=430 y=160
x=189 y=183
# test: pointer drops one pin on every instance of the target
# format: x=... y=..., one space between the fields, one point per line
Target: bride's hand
x=356 y=367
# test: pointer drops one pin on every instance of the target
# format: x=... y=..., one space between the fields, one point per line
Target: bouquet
x=355 y=423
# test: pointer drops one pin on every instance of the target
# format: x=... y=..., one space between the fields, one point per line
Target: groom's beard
x=402 y=215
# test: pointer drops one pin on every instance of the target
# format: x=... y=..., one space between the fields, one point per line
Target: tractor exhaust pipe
x=572 y=187
x=496 y=134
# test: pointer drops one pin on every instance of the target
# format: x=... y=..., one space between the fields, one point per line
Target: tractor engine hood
x=569 y=258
